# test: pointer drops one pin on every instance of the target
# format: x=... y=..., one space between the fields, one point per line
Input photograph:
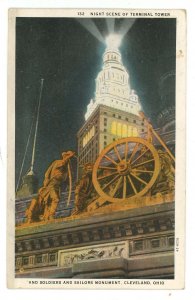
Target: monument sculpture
x=84 y=192
x=124 y=172
x=43 y=207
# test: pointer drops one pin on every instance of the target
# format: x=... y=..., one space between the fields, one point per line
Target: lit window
x=135 y=132
x=124 y=130
x=90 y=134
x=119 y=129
x=93 y=131
x=130 y=133
x=113 y=128
x=84 y=142
x=88 y=137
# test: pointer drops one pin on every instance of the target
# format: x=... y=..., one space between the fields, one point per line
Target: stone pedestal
x=135 y=243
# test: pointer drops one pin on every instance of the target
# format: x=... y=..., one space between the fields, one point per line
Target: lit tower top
x=112 y=83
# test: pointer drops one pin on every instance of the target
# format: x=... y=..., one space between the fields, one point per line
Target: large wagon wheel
x=126 y=169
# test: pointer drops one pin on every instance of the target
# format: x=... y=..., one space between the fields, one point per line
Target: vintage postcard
x=96 y=157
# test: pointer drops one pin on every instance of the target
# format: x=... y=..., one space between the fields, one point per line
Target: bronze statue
x=44 y=206
x=84 y=192
x=167 y=170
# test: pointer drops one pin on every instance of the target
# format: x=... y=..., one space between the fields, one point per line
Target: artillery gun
x=131 y=168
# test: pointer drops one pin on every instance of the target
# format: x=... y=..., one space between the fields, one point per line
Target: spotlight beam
x=110 y=22
x=126 y=26
x=92 y=28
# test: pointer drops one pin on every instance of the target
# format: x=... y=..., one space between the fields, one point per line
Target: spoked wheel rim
x=126 y=169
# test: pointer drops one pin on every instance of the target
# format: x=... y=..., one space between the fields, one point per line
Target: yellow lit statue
x=84 y=192
x=44 y=206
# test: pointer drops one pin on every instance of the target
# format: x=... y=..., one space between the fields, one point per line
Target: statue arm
x=48 y=174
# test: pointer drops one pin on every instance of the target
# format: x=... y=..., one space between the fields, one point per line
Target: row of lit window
x=93 y=144
x=111 y=56
x=107 y=90
x=117 y=102
x=88 y=136
x=108 y=75
x=123 y=130
x=119 y=117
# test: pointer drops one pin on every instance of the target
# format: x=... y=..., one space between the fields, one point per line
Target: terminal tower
x=114 y=111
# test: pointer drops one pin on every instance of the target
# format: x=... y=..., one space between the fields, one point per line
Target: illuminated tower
x=113 y=84
x=114 y=111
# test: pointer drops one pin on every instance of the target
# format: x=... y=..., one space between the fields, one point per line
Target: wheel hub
x=123 y=167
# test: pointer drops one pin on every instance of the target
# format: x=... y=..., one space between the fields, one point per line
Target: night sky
x=69 y=58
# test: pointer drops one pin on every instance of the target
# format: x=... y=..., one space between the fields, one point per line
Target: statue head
x=67 y=154
x=87 y=168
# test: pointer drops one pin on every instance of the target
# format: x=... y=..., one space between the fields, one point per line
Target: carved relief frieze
x=66 y=258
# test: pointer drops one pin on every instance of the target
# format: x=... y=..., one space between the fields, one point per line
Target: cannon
x=130 y=168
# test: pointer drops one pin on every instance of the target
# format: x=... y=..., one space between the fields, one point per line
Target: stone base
x=136 y=243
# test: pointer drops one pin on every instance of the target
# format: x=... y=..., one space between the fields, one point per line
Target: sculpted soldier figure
x=167 y=170
x=84 y=191
x=44 y=206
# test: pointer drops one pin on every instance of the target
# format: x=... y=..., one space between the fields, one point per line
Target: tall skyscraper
x=114 y=111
